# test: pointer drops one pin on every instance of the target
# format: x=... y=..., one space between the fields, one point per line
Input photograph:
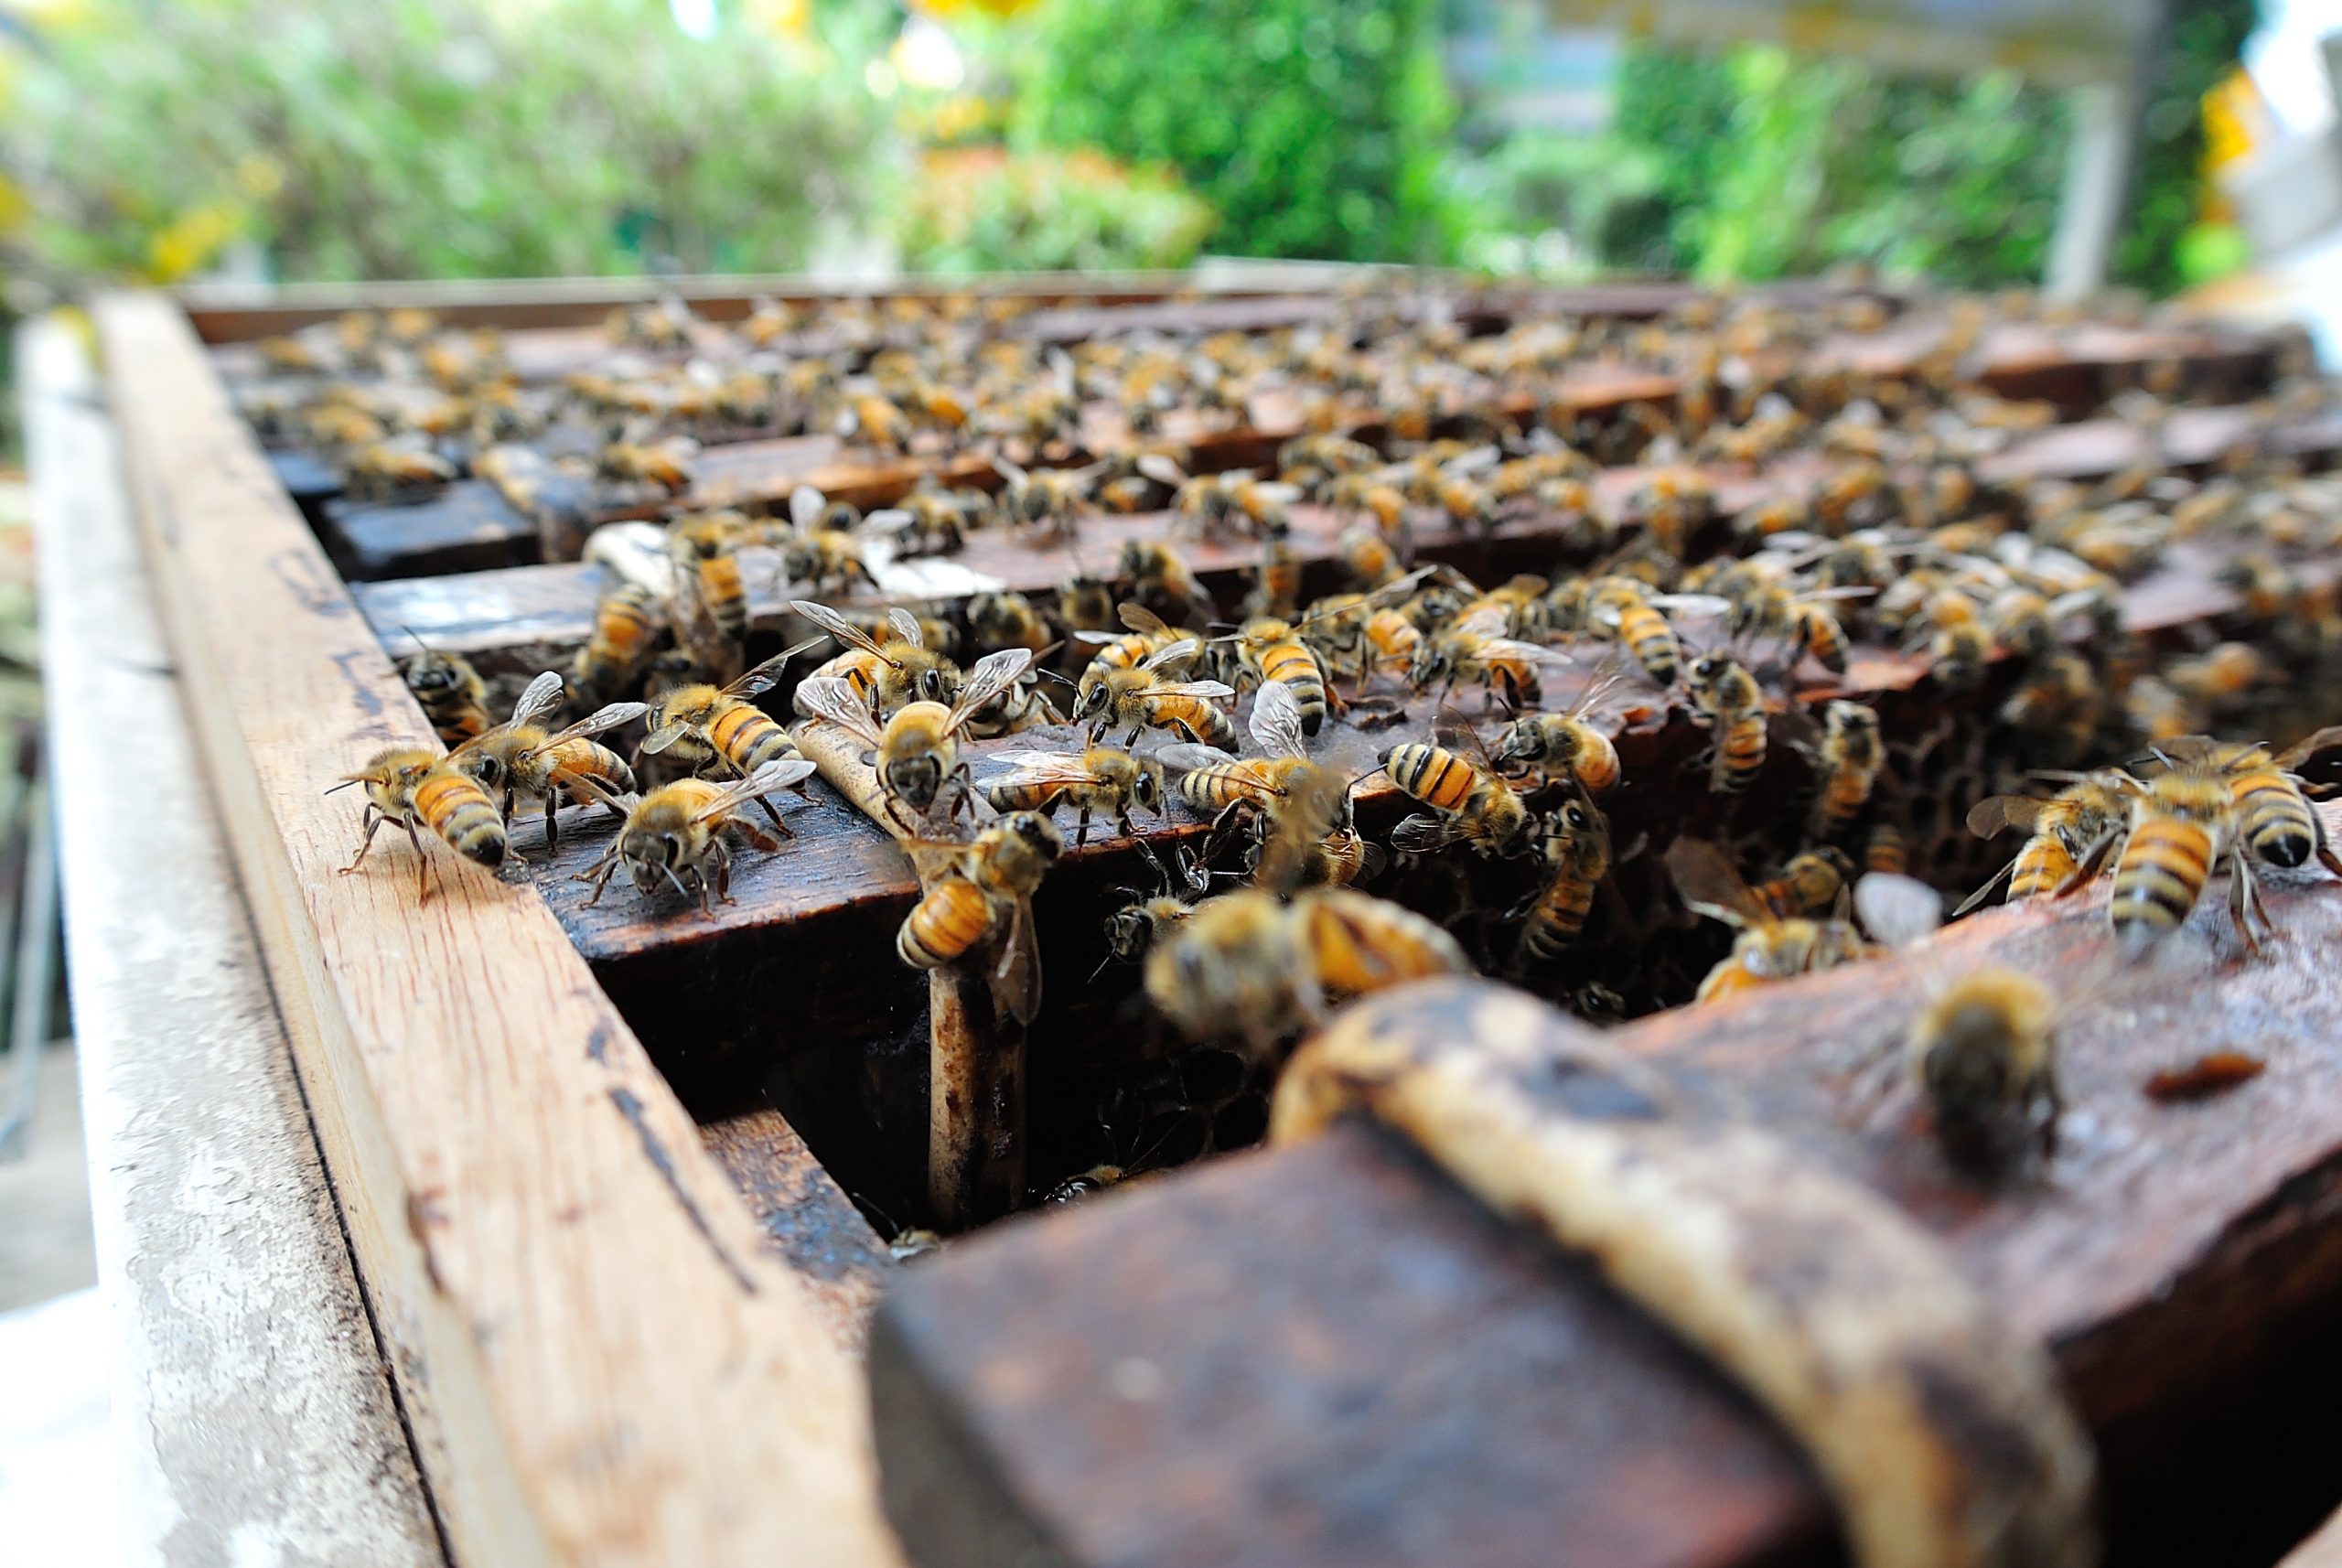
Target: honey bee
x=1475 y=647
x=1084 y=604
x=703 y=548
x=1982 y=1051
x=813 y=552
x=1727 y=699
x=2062 y=831
x=1368 y=557
x=929 y=521
x=1102 y=778
x=680 y=835
x=1574 y=844
x=1470 y=802
x=1137 y=698
x=2182 y=824
x=1047 y=504
x=385 y=470
x=1849 y=759
x=884 y=676
x=660 y=324
x=1810 y=885
x=1377 y=497
x=917 y=753
x=870 y=417
x=627 y=621
x=1672 y=505
x=1621 y=604
x=1957 y=653
x=1204 y=506
x=2220 y=677
x=1247 y=964
x=1886 y=847
x=1275 y=594
x=1156 y=575
x=1147 y=636
x=1268 y=652
x=1567 y=745
x=1801 y=622
x=664 y=467
x=1006 y=620
x=453 y=696
x=2274 y=818
x=1767 y=948
x=416 y=788
x=522 y=757
x=1307 y=460
x=983 y=899
x=1298 y=811
x=699 y=723
x=767 y=322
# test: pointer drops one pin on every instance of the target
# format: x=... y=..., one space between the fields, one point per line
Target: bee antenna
x=343 y=785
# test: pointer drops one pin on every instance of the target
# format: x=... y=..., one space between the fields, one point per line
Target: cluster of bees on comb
x=1756 y=616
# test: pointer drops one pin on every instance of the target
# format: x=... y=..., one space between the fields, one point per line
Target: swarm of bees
x=1717 y=700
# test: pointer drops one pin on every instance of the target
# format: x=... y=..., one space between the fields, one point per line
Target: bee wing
x=994 y=674
x=764 y=780
x=1422 y=834
x=2302 y=750
x=602 y=719
x=1212 y=691
x=1710 y=884
x=1138 y=617
x=1179 y=653
x=805 y=504
x=1016 y=974
x=543 y=697
x=1270 y=491
x=1161 y=469
x=665 y=736
x=1043 y=767
x=1454 y=731
x=835 y=700
x=837 y=626
x=1532 y=652
x=1183 y=756
x=1699 y=605
x=758 y=678
x=1011 y=472
x=1825 y=595
x=1276 y=722
x=888 y=520
x=1478 y=460
x=906 y=627
x=1488 y=620
x=1993 y=817
x=1899 y=911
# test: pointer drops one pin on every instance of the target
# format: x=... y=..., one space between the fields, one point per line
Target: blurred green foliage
x=982 y=209
x=418 y=138
x=1314 y=127
x=2156 y=251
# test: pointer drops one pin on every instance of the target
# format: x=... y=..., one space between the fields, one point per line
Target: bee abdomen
x=1432 y=774
x=1558 y=920
x=458 y=809
x=2042 y=866
x=2275 y=822
x=1740 y=754
x=2161 y=876
x=748 y=739
x=944 y=924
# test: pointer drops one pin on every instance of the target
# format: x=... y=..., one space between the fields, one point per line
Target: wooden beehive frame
x=602 y=1360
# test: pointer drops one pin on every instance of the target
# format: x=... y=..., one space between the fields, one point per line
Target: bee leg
x=2090 y=864
x=599 y=876
x=553 y=825
x=1081 y=829
x=374 y=821
x=2240 y=906
x=421 y=866
x=779 y=826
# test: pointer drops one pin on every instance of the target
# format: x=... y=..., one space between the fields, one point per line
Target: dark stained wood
x=2181 y=1260
x=467 y=527
x=809 y=1221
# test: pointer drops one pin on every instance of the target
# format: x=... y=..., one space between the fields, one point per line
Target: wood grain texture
x=2182 y=1262
x=809 y=1222
x=226 y=1274
x=602 y=1362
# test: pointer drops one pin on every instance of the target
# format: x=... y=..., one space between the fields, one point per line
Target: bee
x=680 y=835
x=1810 y=885
x=1246 y=963
x=1767 y=948
x=875 y=421
x=1621 y=604
x=1139 y=698
x=2224 y=675
x=1047 y=504
x=813 y=552
x=1982 y=1049
x=1006 y=620
x=1268 y=652
x=2062 y=831
x=1849 y=759
x=1368 y=557
x=916 y=752
x=1102 y=778
x=1801 y=622
x=1475 y=647
x=416 y=788
x=1305 y=460
x=1298 y=811
x=453 y=696
x=2182 y=824
x=2058 y=698
x=663 y=324
x=983 y=899
x=2274 y=818
x=703 y=548
x=1957 y=653
x=627 y=621
x=1728 y=700
x=1276 y=584
x=768 y=321
x=698 y=724
x=1574 y=844
x=1374 y=494
x=520 y=756
x=885 y=675
x=1084 y=604
x=1886 y=847
x=929 y=521
x=382 y=470
x=1158 y=576
x=1470 y=802
x=1672 y=505
x=1464 y=501
x=1567 y=745
x=1147 y=636
x=664 y=467
x=1202 y=507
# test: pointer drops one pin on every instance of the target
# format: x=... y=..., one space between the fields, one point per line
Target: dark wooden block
x=467 y=527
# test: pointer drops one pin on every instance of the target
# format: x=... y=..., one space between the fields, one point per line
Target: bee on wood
x=1849 y=758
x=1767 y=948
x=2274 y=818
x=416 y=788
x=627 y=622
x=680 y=834
x=871 y=418
x=2060 y=830
x=814 y=552
x=1569 y=744
x=1573 y=842
x=522 y=757
x=2181 y=825
x=1268 y=652
x=703 y=546
x=885 y=675
x=1204 y=506
x=1139 y=698
x=916 y=753
x=1375 y=495
x=1369 y=558
x=1006 y=620
x=1103 y=778
x=983 y=900
x=1476 y=648
x=1727 y=699
x=661 y=325
x=1084 y=604
x=1297 y=811
x=698 y=724
x=452 y=694
x=1047 y=505
x=391 y=470
x=1147 y=636
x=1275 y=594
x=929 y=521
x=1470 y=801
x=1810 y=885
x=1159 y=577
x=1624 y=606
x=662 y=467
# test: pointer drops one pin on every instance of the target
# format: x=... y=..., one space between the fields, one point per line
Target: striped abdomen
x=747 y=737
x=1395 y=636
x=453 y=805
x=1558 y=916
x=2042 y=867
x=858 y=669
x=2274 y=819
x=1295 y=668
x=1821 y=635
x=457 y=716
x=951 y=921
x=586 y=757
x=726 y=598
x=1740 y=752
x=1193 y=717
x=2164 y=867
x=1651 y=640
x=1432 y=774
x=1844 y=792
x=1886 y=849
x=1361 y=944
x=1217 y=787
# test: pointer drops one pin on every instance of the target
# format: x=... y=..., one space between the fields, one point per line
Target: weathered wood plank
x=809 y=1222
x=601 y=1360
x=229 y=1282
x=2181 y=1260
